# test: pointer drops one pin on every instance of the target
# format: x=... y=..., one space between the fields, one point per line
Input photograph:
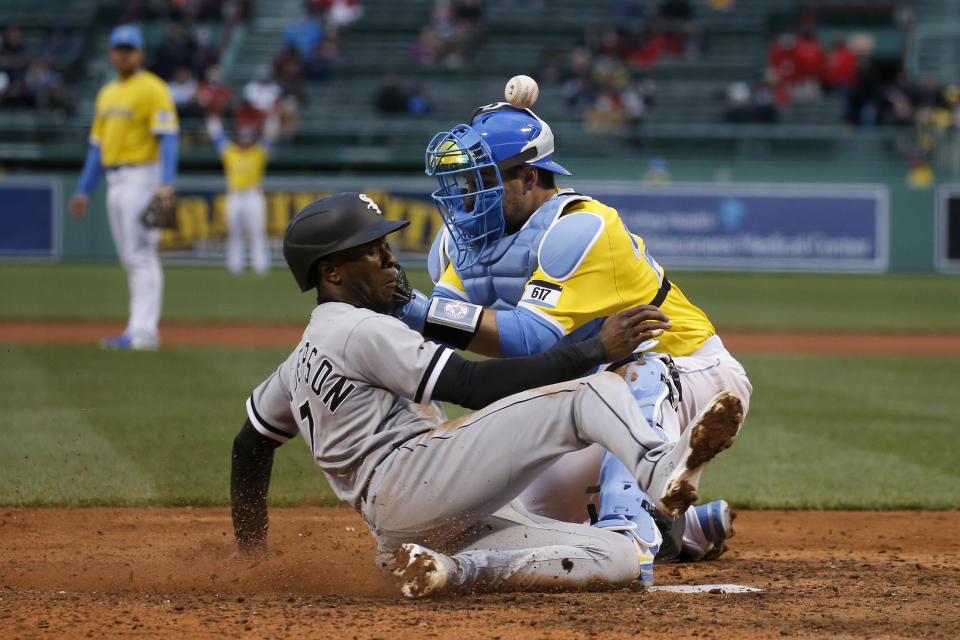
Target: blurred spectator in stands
x=781 y=55
x=59 y=46
x=15 y=93
x=194 y=10
x=289 y=74
x=919 y=172
x=392 y=97
x=178 y=49
x=657 y=172
x=303 y=33
x=840 y=67
x=213 y=94
x=643 y=50
x=809 y=60
x=340 y=13
x=681 y=30
x=550 y=66
x=459 y=28
x=262 y=92
x=632 y=15
x=183 y=91
x=579 y=89
x=866 y=94
x=13 y=54
x=246 y=116
x=207 y=52
x=137 y=10
x=750 y=107
x=237 y=11
x=319 y=66
x=335 y=13
x=419 y=103
x=45 y=85
x=782 y=65
x=428 y=47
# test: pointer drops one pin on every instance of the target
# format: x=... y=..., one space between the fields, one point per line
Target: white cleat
x=422 y=572
x=673 y=486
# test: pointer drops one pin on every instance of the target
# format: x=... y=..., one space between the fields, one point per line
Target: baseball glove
x=160 y=213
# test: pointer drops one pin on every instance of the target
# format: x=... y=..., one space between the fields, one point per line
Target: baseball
x=521 y=91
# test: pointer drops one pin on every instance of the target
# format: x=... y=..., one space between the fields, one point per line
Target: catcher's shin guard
x=620 y=495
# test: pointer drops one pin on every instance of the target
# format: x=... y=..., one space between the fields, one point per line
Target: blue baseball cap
x=127 y=35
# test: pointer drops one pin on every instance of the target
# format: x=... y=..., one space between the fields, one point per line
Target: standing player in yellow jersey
x=134 y=141
x=244 y=163
x=550 y=265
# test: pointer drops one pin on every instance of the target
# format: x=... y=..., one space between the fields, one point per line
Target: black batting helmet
x=331 y=224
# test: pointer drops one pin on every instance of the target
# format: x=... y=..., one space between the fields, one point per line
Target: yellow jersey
x=129 y=114
x=616 y=273
x=244 y=168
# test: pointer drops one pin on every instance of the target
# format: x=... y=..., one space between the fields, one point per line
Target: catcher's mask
x=468 y=162
x=325 y=226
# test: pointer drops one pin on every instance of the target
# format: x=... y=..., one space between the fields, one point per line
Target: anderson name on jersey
x=322 y=392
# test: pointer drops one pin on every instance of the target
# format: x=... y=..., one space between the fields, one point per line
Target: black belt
x=665 y=287
x=117 y=167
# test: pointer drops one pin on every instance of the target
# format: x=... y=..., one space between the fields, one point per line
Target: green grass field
x=83 y=426
x=734 y=301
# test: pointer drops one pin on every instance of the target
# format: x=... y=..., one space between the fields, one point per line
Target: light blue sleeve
x=523 y=334
x=92 y=172
x=169 y=148
x=219 y=142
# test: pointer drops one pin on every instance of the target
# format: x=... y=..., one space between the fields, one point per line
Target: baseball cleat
x=716 y=520
x=708 y=526
x=123 y=342
x=673 y=486
x=421 y=571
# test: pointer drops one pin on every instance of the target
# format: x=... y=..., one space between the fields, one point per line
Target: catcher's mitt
x=160 y=213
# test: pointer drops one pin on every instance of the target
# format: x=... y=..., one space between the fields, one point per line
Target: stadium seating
x=340 y=127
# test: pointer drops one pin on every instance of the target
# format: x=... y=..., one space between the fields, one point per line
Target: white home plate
x=705 y=588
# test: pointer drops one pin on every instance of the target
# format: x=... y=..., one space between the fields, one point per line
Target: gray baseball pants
x=452 y=489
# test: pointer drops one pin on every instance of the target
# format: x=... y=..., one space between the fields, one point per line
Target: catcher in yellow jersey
x=133 y=141
x=549 y=265
x=244 y=163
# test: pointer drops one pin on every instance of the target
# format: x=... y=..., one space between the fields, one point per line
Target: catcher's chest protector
x=498 y=278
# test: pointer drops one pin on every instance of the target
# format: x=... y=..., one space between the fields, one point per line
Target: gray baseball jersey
x=356 y=387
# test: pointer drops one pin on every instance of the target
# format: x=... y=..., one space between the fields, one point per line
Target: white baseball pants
x=247 y=214
x=452 y=489
x=129 y=190
x=561 y=492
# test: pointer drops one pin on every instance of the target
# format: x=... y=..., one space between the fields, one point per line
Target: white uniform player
x=244 y=163
x=439 y=496
x=134 y=141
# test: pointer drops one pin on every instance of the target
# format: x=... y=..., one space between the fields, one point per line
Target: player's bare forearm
x=250 y=470
x=486 y=341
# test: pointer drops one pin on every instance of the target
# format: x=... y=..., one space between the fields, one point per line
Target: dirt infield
x=938 y=344
x=167 y=573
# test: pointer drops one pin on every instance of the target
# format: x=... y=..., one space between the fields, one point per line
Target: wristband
x=452 y=322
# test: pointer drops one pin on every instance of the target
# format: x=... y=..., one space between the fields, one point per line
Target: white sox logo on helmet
x=370 y=203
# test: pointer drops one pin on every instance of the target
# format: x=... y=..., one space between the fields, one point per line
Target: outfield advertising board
x=757 y=227
x=30 y=218
x=947 y=231
x=686 y=226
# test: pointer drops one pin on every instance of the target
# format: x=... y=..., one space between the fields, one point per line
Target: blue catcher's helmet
x=468 y=161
